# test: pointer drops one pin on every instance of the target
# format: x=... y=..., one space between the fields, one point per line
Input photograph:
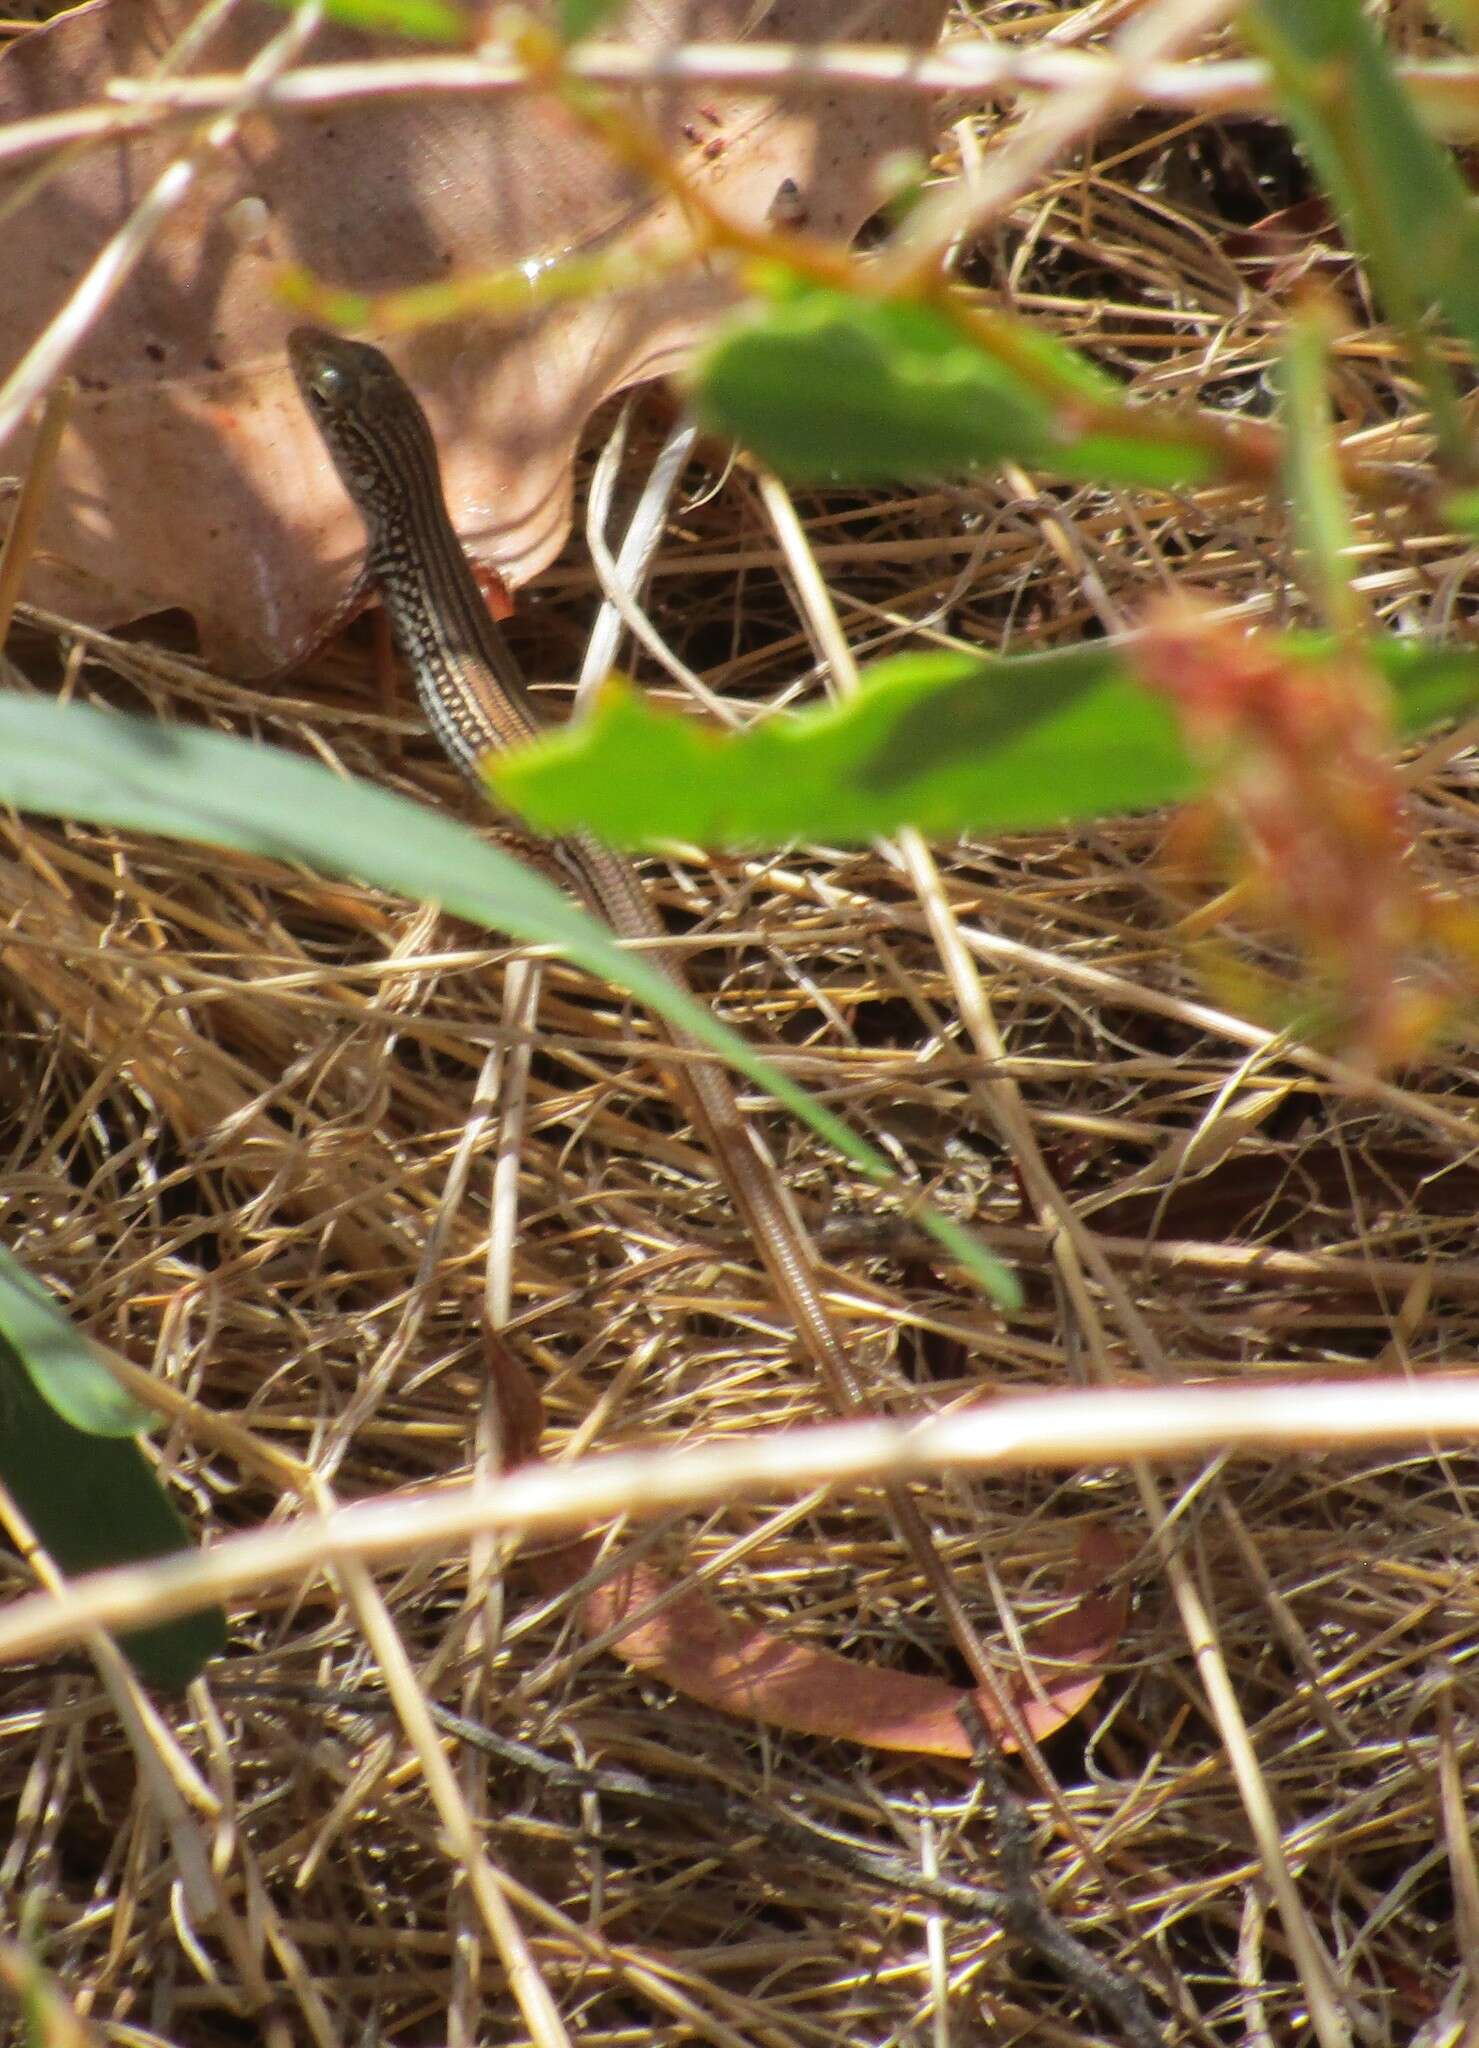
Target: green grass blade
x=1322 y=525
x=73 y=762
x=1403 y=203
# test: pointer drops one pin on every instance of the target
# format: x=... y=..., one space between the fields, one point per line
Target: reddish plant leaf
x=1303 y=763
x=190 y=477
x=741 y=1668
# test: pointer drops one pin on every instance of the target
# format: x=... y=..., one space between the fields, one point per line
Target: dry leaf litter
x=232 y=1096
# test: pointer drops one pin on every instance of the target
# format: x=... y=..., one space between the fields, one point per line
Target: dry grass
x=232 y=1098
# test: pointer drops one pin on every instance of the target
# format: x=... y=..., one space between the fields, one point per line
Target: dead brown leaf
x=742 y=1668
x=190 y=478
x=697 y=1647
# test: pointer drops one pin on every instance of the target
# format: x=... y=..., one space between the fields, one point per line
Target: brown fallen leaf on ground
x=741 y=1668
x=699 y=1649
x=190 y=477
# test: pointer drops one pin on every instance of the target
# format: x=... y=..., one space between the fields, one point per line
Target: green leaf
x=426 y=21
x=89 y=1493
x=830 y=386
x=1403 y=203
x=577 y=18
x=950 y=743
x=62 y=1365
x=1428 y=684
x=73 y=762
x=1460 y=511
x=94 y=1501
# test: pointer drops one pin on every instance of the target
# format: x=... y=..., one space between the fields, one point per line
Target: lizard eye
x=327 y=385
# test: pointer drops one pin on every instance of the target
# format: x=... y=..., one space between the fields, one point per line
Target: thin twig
x=1025 y=1914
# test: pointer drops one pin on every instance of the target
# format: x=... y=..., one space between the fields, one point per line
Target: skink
x=476 y=703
